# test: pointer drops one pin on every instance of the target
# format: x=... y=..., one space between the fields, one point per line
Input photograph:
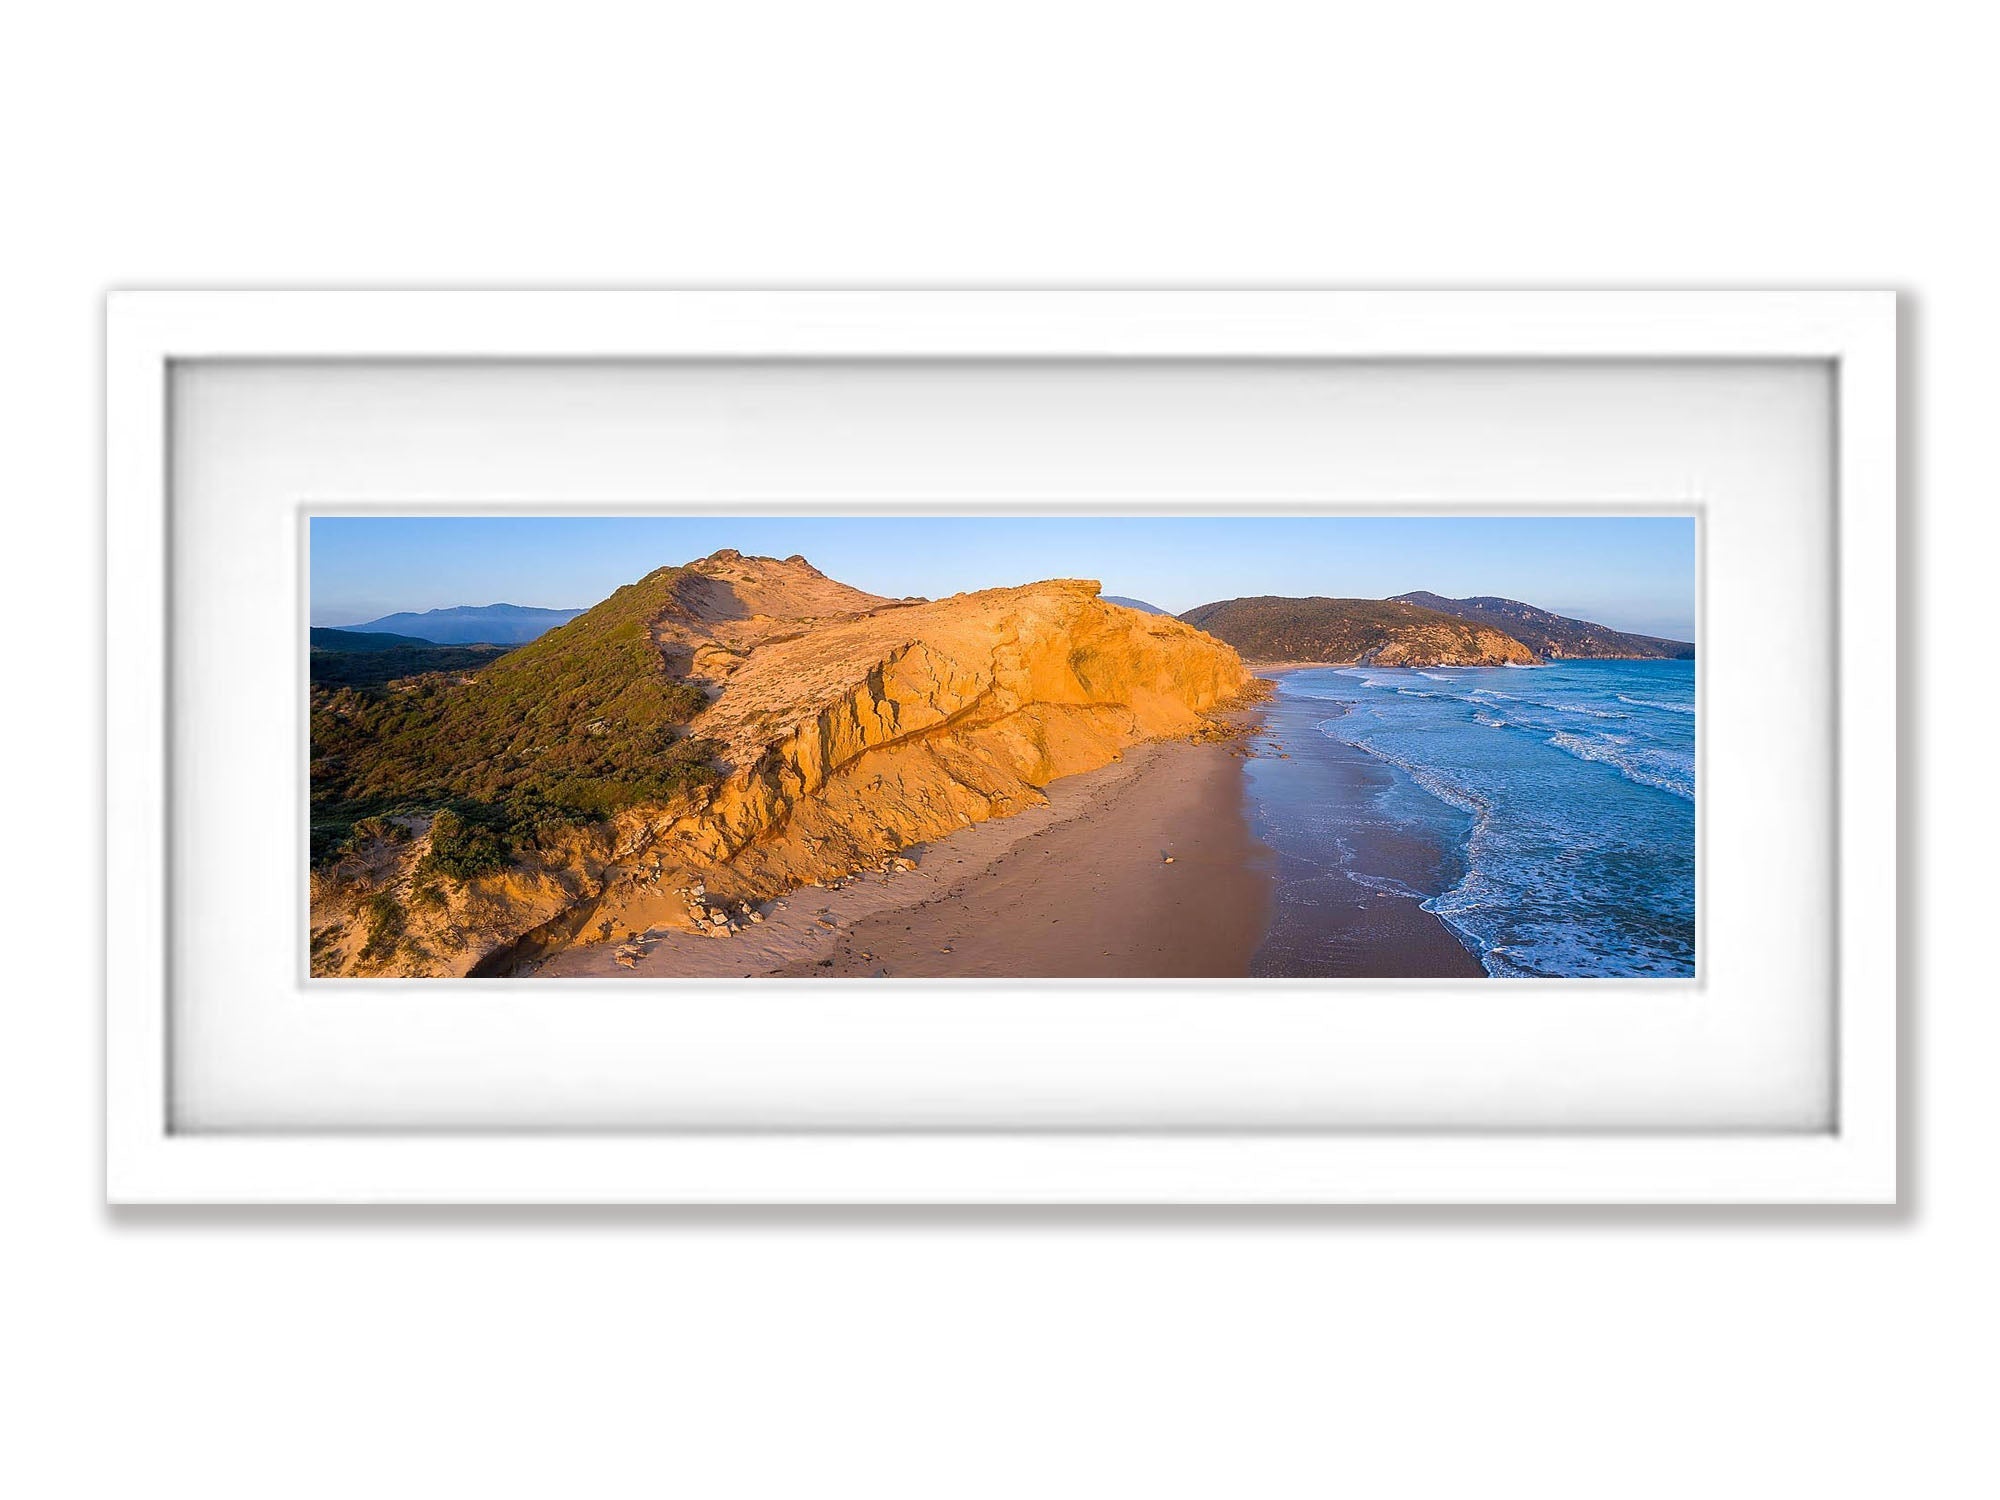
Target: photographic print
x=1002 y=747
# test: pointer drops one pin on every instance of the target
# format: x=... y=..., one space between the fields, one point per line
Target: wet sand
x=1351 y=877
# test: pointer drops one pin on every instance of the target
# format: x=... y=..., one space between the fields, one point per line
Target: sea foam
x=1578 y=856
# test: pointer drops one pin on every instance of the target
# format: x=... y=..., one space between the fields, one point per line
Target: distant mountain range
x=1139 y=604
x=469 y=624
x=1551 y=635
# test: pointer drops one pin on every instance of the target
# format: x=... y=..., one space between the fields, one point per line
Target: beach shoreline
x=1144 y=868
x=1185 y=858
x=1152 y=874
x=1353 y=878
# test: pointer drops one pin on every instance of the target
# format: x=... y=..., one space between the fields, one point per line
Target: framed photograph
x=1001 y=747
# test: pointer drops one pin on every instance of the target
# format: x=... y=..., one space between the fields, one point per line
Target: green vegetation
x=1271 y=628
x=463 y=849
x=380 y=667
x=562 y=731
x=1551 y=634
x=386 y=921
x=326 y=638
x=333 y=838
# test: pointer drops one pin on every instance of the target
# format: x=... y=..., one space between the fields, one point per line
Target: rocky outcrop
x=850 y=727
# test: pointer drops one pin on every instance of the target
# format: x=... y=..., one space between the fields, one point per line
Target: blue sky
x=1629 y=572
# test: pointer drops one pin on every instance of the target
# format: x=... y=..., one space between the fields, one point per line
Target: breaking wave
x=1561 y=869
x=1640 y=765
x=1672 y=708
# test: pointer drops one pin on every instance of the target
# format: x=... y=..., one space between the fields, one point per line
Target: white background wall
x=1447 y=1353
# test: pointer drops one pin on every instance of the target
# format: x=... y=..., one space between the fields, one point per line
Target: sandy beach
x=1257 y=855
x=1150 y=871
x=1143 y=868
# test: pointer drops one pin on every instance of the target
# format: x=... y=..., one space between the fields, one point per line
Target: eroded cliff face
x=852 y=728
x=894 y=728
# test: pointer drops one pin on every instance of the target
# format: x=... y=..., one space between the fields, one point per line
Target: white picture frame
x=1852 y=1160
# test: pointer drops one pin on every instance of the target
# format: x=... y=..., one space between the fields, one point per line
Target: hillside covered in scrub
x=1368 y=632
x=560 y=732
x=347 y=658
x=1557 y=637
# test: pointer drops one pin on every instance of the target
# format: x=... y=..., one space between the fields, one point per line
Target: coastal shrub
x=333 y=839
x=386 y=920
x=328 y=841
x=368 y=829
x=463 y=849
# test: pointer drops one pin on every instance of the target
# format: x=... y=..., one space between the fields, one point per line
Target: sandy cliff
x=851 y=727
